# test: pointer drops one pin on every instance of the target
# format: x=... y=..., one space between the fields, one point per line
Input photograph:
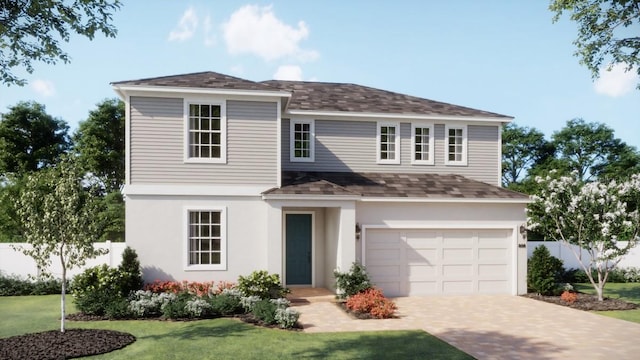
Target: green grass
x=226 y=338
x=626 y=291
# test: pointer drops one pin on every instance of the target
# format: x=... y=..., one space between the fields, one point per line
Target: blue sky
x=501 y=56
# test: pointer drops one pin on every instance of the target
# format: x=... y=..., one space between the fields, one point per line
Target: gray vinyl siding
x=351 y=146
x=157 y=144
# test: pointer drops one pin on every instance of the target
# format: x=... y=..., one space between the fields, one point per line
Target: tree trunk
x=64 y=291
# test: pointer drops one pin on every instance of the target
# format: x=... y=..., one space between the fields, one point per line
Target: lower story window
x=205 y=242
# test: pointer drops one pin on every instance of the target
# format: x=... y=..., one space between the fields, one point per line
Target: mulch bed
x=72 y=343
x=587 y=302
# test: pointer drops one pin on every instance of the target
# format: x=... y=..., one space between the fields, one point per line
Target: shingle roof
x=390 y=185
x=322 y=96
x=207 y=79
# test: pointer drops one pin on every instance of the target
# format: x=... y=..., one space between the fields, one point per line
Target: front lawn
x=225 y=338
x=626 y=291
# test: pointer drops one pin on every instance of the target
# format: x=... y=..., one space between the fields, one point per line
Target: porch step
x=301 y=296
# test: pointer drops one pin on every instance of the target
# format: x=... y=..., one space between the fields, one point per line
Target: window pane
x=193 y=124
x=215 y=139
x=204 y=111
x=205 y=125
x=215 y=151
x=204 y=217
x=392 y=130
x=206 y=245
x=215 y=217
x=215 y=244
x=204 y=138
x=215 y=258
x=205 y=259
x=215 y=124
x=193 y=110
x=215 y=111
x=452 y=157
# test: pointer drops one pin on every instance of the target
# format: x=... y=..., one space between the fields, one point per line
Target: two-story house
x=225 y=176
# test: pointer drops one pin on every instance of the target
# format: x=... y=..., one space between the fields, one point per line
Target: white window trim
x=422 y=125
x=379 y=160
x=465 y=151
x=312 y=140
x=223 y=131
x=223 y=238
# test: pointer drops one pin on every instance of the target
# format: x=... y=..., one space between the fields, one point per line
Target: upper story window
x=206 y=239
x=388 y=143
x=302 y=138
x=456 y=145
x=422 y=144
x=206 y=132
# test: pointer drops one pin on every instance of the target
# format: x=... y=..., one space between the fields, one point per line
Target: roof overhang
x=446 y=200
x=346 y=114
x=123 y=90
x=308 y=197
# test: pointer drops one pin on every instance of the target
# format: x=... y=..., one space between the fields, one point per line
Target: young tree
x=31 y=30
x=604 y=32
x=602 y=218
x=30 y=139
x=57 y=217
x=99 y=143
x=522 y=148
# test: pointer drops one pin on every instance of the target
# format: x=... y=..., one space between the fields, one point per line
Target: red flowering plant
x=200 y=289
x=372 y=302
x=569 y=297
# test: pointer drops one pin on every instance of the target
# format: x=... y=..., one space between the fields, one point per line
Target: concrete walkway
x=488 y=327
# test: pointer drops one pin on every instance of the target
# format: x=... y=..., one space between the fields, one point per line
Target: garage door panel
x=449 y=255
x=424 y=287
x=456 y=241
x=493 y=254
x=493 y=286
x=418 y=273
x=456 y=287
x=421 y=256
x=493 y=270
x=376 y=255
x=463 y=270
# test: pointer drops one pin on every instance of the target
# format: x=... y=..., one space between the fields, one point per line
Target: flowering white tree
x=601 y=218
x=58 y=220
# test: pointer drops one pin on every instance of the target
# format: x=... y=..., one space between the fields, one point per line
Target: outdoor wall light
x=358 y=231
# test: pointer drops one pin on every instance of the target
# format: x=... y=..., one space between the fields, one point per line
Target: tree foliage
x=99 y=143
x=602 y=218
x=607 y=32
x=592 y=150
x=522 y=149
x=31 y=30
x=544 y=271
x=59 y=221
x=30 y=139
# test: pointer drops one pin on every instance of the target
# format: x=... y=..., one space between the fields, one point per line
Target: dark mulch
x=72 y=343
x=587 y=302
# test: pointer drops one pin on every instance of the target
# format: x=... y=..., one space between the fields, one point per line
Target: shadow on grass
x=217 y=328
x=385 y=345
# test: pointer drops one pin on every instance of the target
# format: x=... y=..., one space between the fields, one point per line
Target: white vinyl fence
x=14 y=262
x=565 y=254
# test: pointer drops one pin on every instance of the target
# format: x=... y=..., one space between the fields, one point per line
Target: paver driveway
x=494 y=327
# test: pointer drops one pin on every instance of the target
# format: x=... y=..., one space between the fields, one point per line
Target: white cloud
x=43 y=87
x=207 y=27
x=186 y=26
x=256 y=30
x=616 y=82
x=288 y=72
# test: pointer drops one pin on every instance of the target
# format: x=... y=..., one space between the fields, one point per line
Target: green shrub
x=226 y=304
x=118 y=309
x=176 y=307
x=352 y=282
x=130 y=272
x=262 y=284
x=544 y=272
x=265 y=310
x=16 y=286
x=95 y=288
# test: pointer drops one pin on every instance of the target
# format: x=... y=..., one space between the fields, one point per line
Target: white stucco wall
x=156 y=230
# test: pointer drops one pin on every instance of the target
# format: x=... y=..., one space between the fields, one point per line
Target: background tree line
x=590 y=149
x=33 y=142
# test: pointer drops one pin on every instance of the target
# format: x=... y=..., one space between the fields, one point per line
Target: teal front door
x=298 y=253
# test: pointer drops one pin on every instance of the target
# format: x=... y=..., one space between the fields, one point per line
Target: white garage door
x=440 y=262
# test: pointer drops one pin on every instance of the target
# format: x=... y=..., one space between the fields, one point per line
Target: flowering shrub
x=262 y=284
x=197 y=308
x=373 y=302
x=569 y=297
x=286 y=317
x=146 y=303
x=247 y=302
